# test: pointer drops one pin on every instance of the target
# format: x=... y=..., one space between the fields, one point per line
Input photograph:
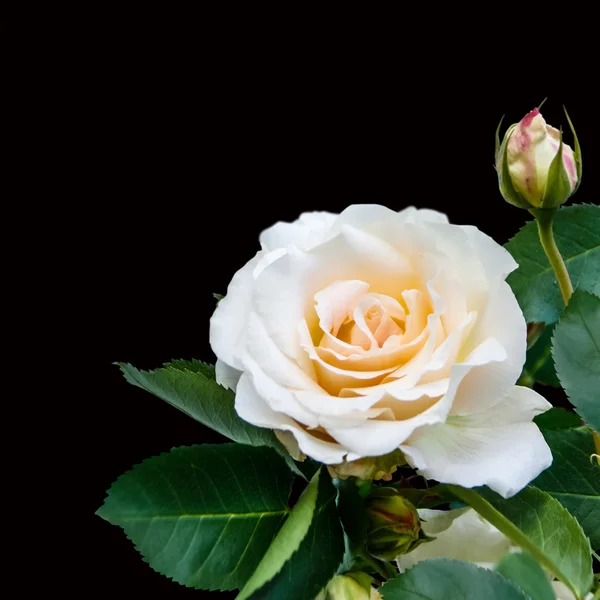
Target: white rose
x=358 y=334
x=462 y=534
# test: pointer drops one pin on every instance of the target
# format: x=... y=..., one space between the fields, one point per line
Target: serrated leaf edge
x=137 y=548
x=455 y=561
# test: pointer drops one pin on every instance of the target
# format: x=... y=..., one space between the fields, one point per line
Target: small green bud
x=351 y=586
x=395 y=527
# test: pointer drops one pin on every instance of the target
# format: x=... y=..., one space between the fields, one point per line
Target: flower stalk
x=382 y=567
x=544 y=219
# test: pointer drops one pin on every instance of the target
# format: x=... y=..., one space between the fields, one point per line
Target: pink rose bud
x=536 y=169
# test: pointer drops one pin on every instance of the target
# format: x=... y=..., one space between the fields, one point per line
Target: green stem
x=391 y=570
x=544 y=220
x=526 y=379
x=534 y=333
x=381 y=567
x=510 y=530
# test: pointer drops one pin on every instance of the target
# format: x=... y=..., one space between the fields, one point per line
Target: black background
x=198 y=136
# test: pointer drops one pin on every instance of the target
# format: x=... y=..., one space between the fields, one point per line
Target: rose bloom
x=357 y=334
x=462 y=534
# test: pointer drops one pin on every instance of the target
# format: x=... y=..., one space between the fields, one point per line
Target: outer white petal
x=363 y=216
x=424 y=215
x=323 y=404
x=228 y=322
x=307 y=231
x=281 y=297
x=459 y=534
x=226 y=376
x=500 y=447
x=385 y=258
x=291 y=444
x=252 y=408
x=503 y=321
x=496 y=260
x=262 y=350
x=564 y=593
x=521 y=405
x=375 y=438
x=278 y=397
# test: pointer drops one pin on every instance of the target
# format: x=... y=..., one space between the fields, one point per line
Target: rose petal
x=459 y=534
x=261 y=349
x=363 y=216
x=307 y=231
x=374 y=438
x=226 y=376
x=500 y=448
x=331 y=378
x=252 y=408
x=382 y=358
x=376 y=251
x=323 y=404
x=496 y=260
x=334 y=303
x=228 y=322
x=497 y=377
x=422 y=215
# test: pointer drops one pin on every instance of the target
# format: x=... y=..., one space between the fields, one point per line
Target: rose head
x=358 y=334
x=535 y=168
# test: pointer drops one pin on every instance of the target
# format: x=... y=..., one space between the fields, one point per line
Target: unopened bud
x=536 y=169
x=395 y=527
x=351 y=586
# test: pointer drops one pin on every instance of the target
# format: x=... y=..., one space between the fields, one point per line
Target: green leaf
x=203 y=515
x=497 y=140
x=558 y=184
x=539 y=365
x=196 y=366
x=540 y=525
x=190 y=387
x=527 y=575
x=573 y=479
x=307 y=551
x=576 y=151
x=557 y=418
x=576 y=352
x=444 y=579
x=577 y=234
x=353 y=515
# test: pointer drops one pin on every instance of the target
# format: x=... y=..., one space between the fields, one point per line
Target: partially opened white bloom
x=462 y=534
x=459 y=534
x=358 y=334
x=564 y=593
